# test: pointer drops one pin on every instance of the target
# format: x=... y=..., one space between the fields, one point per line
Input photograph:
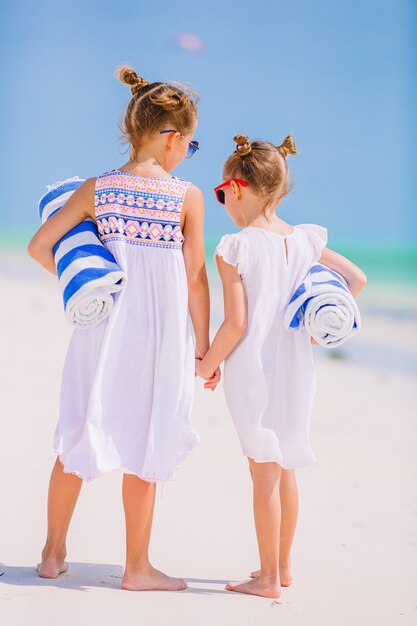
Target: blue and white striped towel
x=87 y=271
x=323 y=304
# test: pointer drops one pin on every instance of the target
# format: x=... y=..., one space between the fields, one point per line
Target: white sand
x=355 y=552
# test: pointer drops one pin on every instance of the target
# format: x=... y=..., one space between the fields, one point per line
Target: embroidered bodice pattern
x=139 y=210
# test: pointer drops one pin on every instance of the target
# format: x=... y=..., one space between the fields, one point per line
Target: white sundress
x=128 y=383
x=269 y=377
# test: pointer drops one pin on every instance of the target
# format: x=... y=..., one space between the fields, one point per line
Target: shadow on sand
x=85 y=576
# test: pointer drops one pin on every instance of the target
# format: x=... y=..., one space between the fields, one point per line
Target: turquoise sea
x=383 y=264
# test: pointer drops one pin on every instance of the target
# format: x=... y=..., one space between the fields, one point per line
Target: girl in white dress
x=127 y=384
x=269 y=379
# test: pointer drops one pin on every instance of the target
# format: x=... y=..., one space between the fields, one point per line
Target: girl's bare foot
x=148 y=578
x=266 y=586
x=284 y=574
x=51 y=567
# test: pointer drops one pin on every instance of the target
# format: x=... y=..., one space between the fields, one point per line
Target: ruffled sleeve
x=317 y=237
x=233 y=249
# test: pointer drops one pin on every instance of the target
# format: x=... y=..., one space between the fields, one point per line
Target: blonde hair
x=263 y=166
x=154 y=106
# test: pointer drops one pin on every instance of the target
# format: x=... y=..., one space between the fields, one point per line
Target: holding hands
x=212 y=378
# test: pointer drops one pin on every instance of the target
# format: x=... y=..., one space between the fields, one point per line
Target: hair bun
x=128 y=76
x=243 y=145
x=174 y=100
x=287 y=147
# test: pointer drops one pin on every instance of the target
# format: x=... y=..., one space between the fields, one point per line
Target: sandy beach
x=355 y=552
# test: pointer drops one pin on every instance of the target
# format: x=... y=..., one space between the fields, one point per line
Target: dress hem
x=293 y=466
x=125 y=470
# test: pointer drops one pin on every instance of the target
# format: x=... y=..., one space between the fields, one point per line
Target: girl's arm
x=355 y=278
x=235 y=320
x=193 y=251
x=78 y=207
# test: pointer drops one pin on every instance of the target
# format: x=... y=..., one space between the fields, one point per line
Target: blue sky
x=339 y=76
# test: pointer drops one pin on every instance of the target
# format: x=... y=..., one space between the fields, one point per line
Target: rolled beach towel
x=88 y=274
x=323 y=304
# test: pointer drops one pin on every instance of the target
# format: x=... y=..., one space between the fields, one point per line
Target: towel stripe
x=54 y=206
x=83 y=251
x=83 y=263
x=81 y=278
x=66 y=187
x=87 y=226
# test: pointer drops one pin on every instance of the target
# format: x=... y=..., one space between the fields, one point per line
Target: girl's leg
x=138 y=502
x=63 y=493
x=289 y=513
x=267 y=513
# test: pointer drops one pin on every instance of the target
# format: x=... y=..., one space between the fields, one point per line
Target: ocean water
x=395 y=266
x=381 y=263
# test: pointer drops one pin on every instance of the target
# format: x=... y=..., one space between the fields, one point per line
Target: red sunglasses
x=219 y=189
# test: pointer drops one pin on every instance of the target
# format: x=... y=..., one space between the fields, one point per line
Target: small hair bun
x=128 y=76
x=175 y=101
x=243 y=145
x=287 y=147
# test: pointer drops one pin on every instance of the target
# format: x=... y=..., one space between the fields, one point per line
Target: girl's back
x=273 y=263
x=272 y=413
x=139 y=210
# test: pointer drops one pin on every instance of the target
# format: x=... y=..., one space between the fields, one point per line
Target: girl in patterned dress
x=269 y=378
x=127 y=384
